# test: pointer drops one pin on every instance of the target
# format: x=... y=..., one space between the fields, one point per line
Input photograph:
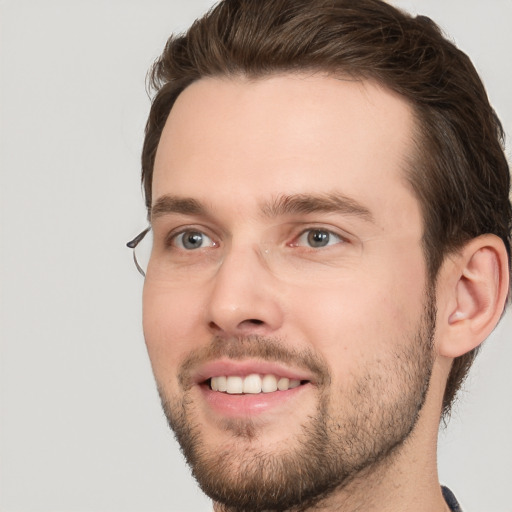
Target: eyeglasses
x=318 y=256
x=133 y=244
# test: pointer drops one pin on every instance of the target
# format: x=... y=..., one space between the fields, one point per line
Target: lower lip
x=239 y=406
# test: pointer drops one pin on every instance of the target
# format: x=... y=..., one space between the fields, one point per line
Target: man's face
x=287 y=252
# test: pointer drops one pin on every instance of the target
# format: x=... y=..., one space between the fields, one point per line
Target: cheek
x=172 y=325
x=361 y=318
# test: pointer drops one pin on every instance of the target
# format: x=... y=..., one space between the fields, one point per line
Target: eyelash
x=174 y=237
x=310 y=231
x=175 y=240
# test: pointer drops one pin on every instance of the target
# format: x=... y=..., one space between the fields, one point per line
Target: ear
x=472 y=288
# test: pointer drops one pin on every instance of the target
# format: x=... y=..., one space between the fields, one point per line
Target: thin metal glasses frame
x=132 y=244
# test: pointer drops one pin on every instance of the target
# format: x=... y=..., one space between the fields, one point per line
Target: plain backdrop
x=80 y=423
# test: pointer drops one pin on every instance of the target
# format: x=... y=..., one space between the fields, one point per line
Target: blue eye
x=317 y=238
x=190 y=240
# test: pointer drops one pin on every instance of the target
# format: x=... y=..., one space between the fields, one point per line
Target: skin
x=234 y=146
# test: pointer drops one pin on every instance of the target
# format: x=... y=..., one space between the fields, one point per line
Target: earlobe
x=479 y=284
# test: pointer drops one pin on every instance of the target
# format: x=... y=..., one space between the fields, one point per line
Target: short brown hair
x=459 y=173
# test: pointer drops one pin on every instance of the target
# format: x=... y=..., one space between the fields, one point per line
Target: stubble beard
x=352 y=431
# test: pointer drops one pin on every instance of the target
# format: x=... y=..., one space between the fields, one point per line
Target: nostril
x=245 y=326
x=214 y=326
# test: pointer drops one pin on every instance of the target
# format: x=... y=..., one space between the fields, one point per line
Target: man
x=328 y=200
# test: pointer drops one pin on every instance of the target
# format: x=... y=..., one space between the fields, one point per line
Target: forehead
x=229 y=138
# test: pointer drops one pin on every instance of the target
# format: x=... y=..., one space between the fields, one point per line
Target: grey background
x=80 y=423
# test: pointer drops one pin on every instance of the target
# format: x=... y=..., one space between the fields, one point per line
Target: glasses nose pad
x=267 y=255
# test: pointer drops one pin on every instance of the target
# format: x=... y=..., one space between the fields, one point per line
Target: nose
x=244 y=297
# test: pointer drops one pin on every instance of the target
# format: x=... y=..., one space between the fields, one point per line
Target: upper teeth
x=253 y=384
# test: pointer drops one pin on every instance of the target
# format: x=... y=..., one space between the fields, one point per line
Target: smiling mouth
x=252 y=384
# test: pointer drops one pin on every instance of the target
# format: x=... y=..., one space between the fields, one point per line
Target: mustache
x=265 y=348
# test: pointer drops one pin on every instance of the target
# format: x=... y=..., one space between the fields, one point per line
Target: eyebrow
x=311 y=203
x=279 y=206
x=168 y=204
